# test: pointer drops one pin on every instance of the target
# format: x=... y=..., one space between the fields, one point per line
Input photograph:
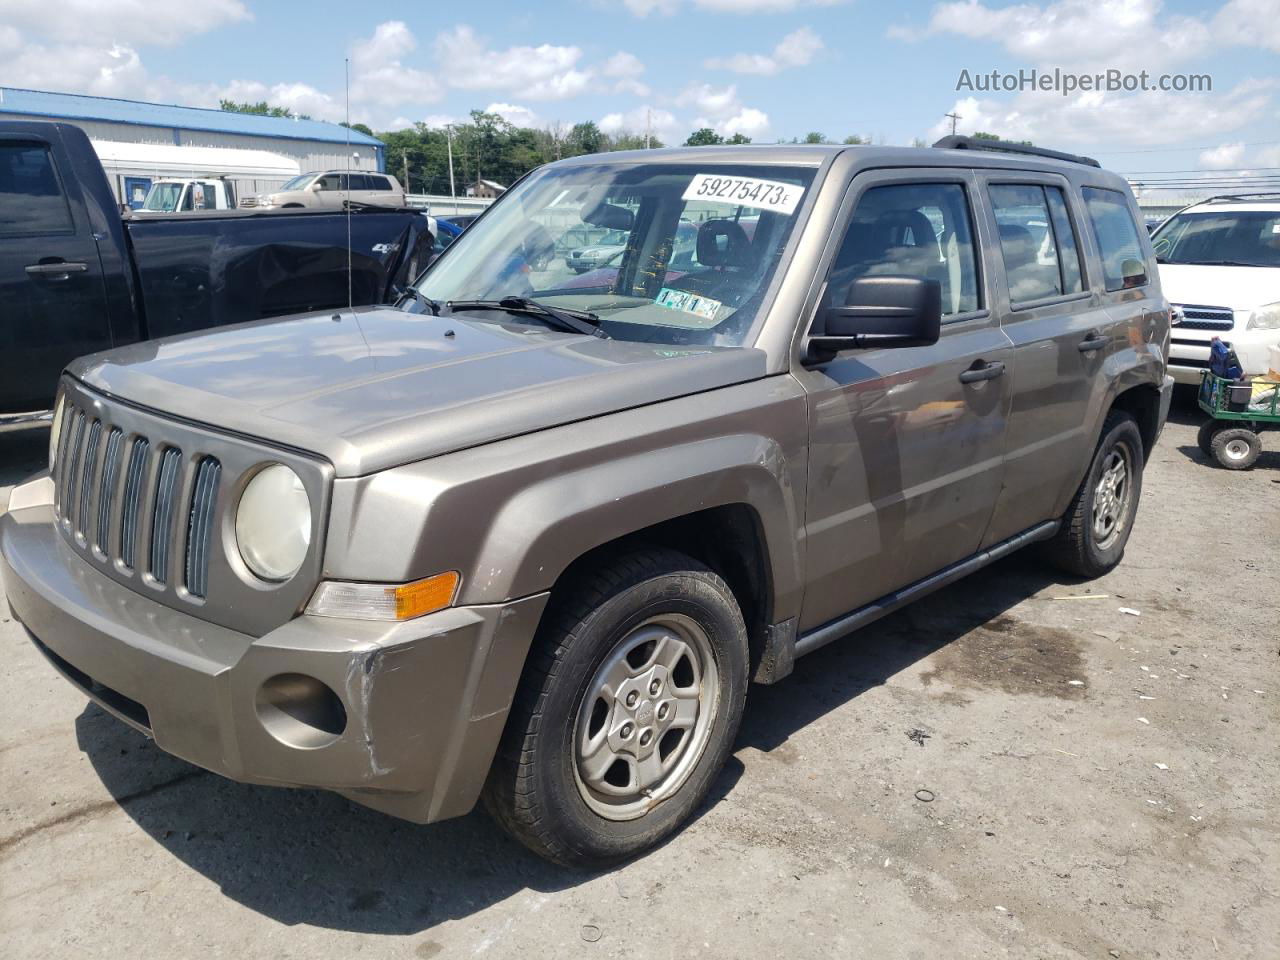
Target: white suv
x=331 y=189
x=1220 y=266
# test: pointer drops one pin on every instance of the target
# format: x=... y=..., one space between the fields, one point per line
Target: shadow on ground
x=22 y=453
x=301 y=856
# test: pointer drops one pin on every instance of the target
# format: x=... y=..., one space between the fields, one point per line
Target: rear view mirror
x=880 y=312
x=609 y=216
x=1133 y=273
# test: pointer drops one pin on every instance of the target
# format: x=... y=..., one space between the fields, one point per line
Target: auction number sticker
x=687 y=302
x=745 y=191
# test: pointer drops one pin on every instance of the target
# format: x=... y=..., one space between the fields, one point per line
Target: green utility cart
x=1239 y=412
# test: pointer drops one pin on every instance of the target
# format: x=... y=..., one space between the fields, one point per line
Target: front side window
x=911 y=230
x=31 y=200
x=686 y=251
x=1037 y=243
x=332 y=181
x=1116 y=233
x=1246 y=238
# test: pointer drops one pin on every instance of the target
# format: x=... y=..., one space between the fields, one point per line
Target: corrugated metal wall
x=310 y=154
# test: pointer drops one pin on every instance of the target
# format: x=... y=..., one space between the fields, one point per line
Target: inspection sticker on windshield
x=703 y=307
x=745 y=191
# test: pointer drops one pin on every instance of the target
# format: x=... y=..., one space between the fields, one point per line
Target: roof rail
x=954 y=142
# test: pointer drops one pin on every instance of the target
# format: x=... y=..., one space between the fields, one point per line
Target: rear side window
x=911 y=230
x=31 y=200
x=1036 y=241
x=1116 y=232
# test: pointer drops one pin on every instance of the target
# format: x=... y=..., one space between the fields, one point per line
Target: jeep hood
x=380 y=387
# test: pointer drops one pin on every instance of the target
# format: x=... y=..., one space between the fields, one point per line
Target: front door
x=54 y=306
x=135 y=191
x=906 y=444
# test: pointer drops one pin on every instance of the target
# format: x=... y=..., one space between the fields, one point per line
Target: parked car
x=1220 y=267
x=533 y=543
x=331 y=189
x=595 y=255
x=184 y=196
x=76 y=278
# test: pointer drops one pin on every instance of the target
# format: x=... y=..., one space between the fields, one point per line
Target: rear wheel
x=1236 y=448
x=626 y=713
x=1097 y=525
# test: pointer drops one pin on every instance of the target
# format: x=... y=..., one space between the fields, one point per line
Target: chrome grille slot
x=132 y=501
x=162 y=513
x=1197 y=317
x=107 y=489
x=87 y=476
x=72 y=469
x=200 y=525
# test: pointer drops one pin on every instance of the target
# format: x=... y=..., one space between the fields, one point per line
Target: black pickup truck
x=77 y=277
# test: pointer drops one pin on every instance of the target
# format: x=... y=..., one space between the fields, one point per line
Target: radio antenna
x=346 y=80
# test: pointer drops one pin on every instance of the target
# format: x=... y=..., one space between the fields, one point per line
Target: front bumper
x=425 y=700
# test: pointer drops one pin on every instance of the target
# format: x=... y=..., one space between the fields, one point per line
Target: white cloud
x=722 y=110
x=1099 y=120
x=298 y=97
x=515 y=114
x=662 y=123
x=796 y=49
x=545 y=72
x=1254 y=23
x=625 y=70
x=379 y=76
x=1223 y=157
x=107 y=22
x=111 y=71
x=643 y=8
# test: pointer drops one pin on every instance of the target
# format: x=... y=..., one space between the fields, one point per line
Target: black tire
x=1204 y=438
x=1236 y=448
x=1075 y=548
x=534 y=790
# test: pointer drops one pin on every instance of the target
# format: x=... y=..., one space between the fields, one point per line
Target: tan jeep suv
x=530 y=534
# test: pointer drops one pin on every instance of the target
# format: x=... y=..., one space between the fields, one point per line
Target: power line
x=1116 y=153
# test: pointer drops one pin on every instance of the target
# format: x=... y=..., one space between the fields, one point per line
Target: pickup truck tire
x=626 y=712
x=1098 y=522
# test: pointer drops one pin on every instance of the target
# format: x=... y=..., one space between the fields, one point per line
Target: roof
x=169 y=160
x=74 y=106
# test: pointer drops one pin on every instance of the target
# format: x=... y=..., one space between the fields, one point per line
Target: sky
x=771 y=69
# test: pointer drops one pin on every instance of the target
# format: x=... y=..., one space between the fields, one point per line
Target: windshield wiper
x=1216 y=263
x=423 y=299
x=570 y=321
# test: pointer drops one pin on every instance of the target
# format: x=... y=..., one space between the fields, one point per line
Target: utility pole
x=405 y=157
x=448 y=132
x=648 y=122
x=953 y=117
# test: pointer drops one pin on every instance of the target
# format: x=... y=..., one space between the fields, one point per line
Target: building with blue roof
x=140 y=141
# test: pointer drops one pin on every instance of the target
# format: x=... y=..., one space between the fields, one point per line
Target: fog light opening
x=301 y=711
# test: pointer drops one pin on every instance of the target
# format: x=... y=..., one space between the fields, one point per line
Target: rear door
x=906 y=445
x=1054 y=311
x=51 y=285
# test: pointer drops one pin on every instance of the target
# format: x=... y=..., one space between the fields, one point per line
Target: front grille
x=248 y=201
x=116 y=491
x=1197 y=317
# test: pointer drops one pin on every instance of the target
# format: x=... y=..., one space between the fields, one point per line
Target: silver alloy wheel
x=646 y=717
x=1236 y=449
x=1111 y=497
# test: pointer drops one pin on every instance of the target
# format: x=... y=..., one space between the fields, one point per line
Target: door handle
x=986 y=372
x=62 y=267
x=1093 y=342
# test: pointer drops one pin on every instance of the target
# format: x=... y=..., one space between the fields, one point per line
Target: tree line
x=489 y=147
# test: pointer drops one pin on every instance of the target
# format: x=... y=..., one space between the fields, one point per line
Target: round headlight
x=273 y=523
x=55 y=430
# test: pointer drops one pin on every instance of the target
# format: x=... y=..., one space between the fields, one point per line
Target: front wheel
x=626 y=712
x=1097 y=525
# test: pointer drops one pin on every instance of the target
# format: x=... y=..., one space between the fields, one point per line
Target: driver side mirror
x=879 y=312
x=315 y=186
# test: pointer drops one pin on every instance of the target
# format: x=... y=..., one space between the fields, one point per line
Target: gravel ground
x=1102 y=785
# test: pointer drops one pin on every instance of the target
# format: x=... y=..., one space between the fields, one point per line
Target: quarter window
x=1037 y=242
x=1116 y=232
x=911 y=230
x=31 y=200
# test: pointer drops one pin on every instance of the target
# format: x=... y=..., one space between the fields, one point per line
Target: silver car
x=331 y=189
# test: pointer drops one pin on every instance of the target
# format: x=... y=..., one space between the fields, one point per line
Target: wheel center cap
x=644 y=716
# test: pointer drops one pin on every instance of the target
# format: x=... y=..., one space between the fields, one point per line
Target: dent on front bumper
x=425 y=700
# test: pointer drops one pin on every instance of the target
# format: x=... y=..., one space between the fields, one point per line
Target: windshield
x=1245 y=237
x=700 y=244
x=299 y=182
x=164 y=197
